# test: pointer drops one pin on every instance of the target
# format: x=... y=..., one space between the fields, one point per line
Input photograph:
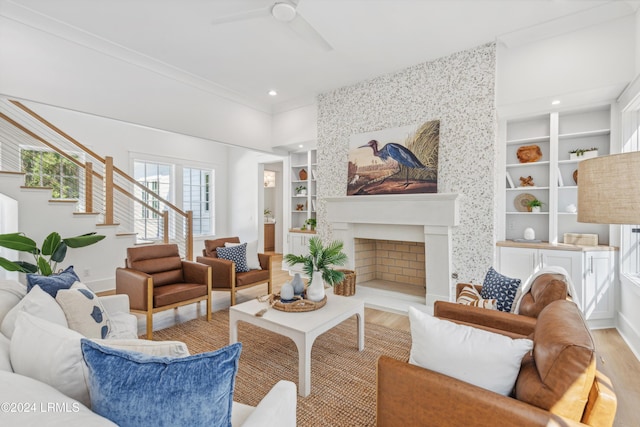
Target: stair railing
x=106 y=186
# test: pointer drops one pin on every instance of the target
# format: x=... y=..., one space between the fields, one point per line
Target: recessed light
x=273 y=92
x=555 y=102
x=300 y=146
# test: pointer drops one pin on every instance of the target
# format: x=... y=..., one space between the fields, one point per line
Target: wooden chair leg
x=269 y=287
x=149 y=325
x=233 y=296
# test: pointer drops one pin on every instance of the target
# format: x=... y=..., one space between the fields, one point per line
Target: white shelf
x=527 y=213
x=597 y=132
x=527 y=188
x=528 y=140
x=521 y=165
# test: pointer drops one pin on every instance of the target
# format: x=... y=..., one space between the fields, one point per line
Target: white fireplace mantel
x=427 y=218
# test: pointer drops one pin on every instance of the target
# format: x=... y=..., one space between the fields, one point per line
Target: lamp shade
x=609 y=189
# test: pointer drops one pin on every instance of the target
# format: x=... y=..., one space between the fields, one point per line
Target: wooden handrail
x=88 y=187
x=108 y=191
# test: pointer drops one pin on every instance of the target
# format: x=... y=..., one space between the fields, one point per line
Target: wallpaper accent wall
x=458 y=90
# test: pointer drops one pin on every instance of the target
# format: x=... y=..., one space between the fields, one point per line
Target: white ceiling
x=369 y=37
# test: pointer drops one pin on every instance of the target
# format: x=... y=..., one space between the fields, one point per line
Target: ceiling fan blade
x=241 y=16
x=301 y=27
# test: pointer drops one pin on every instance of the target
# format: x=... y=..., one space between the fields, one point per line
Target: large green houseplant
x=46 y=259
x=318 y=265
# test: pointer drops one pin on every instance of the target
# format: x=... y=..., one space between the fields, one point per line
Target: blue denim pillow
x=237 y=254
x=135 y=389
x=501 y=288
x=52 y=284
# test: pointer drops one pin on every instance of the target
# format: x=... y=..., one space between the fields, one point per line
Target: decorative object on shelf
x=521 y=202
x=509 y=181
x=527 y=182
x=303 y=175
x=298 y=284
x=299 y=304
x=529 y=234
x=318 y=266
x=267 y=214
x=348 y=286
x=311 y=222
x=581 y=239
x=571 y=208
x=529 y=153
x=583 y=153
x=300 y=206
x=535 y=205
x=575 y=176
x=54 y=247
x=301 y=190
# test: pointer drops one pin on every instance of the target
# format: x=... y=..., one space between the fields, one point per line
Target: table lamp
x=609 y=189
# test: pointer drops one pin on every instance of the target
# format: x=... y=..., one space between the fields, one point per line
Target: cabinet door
x=599 y=283
x=572 y=261
x=518 y=262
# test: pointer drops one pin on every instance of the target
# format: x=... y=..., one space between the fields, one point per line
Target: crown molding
x=46 y=24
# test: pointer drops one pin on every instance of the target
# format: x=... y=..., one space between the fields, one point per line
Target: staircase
x=109 y=199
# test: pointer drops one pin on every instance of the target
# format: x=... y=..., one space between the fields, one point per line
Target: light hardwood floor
x=615 y=359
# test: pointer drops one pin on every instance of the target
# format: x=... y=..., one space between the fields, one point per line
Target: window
x=197 y=197
x=630 y=241
x=156 y=177
x=45 y=168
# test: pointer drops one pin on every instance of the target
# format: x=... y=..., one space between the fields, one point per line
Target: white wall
x=8 y=224
x=294 y=126
x=48 y=67
x=579 y=67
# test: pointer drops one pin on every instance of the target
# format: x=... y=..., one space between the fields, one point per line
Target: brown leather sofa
x=558 y=383
x=156 y=279
x=225 y=277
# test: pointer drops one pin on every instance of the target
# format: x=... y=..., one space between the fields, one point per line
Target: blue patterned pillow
x=135 y=389
x=84 y=311
x=501 y=288
x=237 y=254
x=52 y=284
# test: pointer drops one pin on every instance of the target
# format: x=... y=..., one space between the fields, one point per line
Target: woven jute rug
x=343 y=379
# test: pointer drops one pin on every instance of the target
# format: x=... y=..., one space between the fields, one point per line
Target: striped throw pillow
x=469 y=295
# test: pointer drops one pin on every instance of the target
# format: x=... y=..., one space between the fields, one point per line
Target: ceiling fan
x=285 y=12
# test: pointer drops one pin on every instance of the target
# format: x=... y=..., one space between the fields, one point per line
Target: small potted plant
x=311 y=222
x=535 y=205
x=301 y=190
x=267 y=215
x=318 y=266
x=583 y=153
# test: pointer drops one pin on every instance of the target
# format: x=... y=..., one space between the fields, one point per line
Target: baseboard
x=629 y=334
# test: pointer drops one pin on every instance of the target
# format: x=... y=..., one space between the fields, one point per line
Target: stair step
x=63 y=200
x=108 y=225
x=86 y=213
x=11 y=173
x=30 y=188
x=124 y=234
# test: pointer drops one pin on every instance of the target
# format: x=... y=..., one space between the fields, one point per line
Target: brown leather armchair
x=545 y=289
x=156 y=279
x=558 y=383
x=225 y=277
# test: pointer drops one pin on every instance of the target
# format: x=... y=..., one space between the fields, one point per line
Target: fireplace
x=427 y=219
x=390 y=264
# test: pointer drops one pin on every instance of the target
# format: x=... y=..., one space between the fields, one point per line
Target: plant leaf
x=83 y=240
x=60 y=252
x=10 y=265
x=27 y=267
x=18 y=242
x=44 y=267
x=51 y=243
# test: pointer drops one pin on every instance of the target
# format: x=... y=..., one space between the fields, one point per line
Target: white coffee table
x=302 y=328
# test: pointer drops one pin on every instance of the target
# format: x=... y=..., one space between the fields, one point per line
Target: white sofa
x=25 y=401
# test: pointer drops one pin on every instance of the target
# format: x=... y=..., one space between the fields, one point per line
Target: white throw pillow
x=253 y=262
x=84 y=311
x=5 y=356
x=38 y=303
x=11 y=292
x=152 y=348
x=50 y=353
x=483 y=358
x=122 y=325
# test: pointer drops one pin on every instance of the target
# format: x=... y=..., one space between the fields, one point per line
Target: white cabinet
x=592 y=272
x=551 y=137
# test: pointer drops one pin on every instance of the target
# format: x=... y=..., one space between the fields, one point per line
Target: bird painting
x=397 y=152
x=406 y=163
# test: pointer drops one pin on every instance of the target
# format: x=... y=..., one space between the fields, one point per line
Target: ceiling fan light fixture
x=283 y=12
